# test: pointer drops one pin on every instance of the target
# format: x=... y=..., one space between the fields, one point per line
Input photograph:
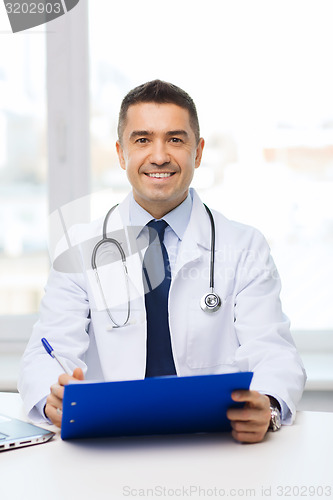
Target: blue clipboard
x=160 y=405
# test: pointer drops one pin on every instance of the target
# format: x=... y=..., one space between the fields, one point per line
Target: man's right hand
x=53 y=407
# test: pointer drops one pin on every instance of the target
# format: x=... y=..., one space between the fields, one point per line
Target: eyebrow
x=177 y=132
x=145 y=133
x=140 y=133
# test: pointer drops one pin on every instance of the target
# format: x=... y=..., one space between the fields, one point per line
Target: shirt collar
x=177 y=219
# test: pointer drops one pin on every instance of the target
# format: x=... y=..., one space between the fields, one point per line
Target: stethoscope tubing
x=212 y=248
x=123 y=258
x=205 y=302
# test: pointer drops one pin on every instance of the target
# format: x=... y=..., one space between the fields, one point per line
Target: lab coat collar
x=197 y=237
x=120 y=220
x=199 y=225
x=199 y=228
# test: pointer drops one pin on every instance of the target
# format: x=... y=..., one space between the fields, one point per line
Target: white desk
x=299 y=456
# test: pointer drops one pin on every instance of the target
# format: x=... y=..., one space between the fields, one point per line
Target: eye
x=142 y=140
x=175 y=140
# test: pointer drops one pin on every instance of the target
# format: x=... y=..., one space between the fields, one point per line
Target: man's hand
x=53 y=407
x=250 y=423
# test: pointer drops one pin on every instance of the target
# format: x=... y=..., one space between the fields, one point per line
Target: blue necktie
x=157 y=277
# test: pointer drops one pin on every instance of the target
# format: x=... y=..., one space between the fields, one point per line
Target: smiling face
x=159 y=152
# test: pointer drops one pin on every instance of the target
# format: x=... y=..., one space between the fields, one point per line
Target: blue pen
x=49 y=349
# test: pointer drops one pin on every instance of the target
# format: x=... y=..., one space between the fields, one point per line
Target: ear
x=199 y=150
x=120 y=153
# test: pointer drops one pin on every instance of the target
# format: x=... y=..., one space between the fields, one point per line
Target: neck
x=159 y=210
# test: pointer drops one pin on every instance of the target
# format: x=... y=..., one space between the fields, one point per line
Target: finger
x=54 y=401
x=253 y=426
x=237 y=414
x=239 y=426
x=78 y=374
x=64 y=378
x=53 y=409
x=248 y=414
x=57 y=390
x=246 y=396
x=248 y=437
x=54 y=414
x=254 y=398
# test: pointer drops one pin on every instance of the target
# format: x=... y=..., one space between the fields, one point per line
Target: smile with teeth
x=160 y=175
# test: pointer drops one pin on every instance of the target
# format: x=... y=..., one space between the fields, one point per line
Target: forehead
x=157 y=118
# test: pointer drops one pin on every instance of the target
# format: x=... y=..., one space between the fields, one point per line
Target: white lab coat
x=248 y=333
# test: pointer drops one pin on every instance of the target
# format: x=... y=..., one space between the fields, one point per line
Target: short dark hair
x=162 y=93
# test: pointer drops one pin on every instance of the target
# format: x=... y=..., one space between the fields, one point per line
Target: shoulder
x=227 y=231
x=78 y=234
x=81 y=232
x=238 y=234
x=73 y=245
x=235 y=228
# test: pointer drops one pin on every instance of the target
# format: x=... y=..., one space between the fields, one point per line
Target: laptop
x=15 y=433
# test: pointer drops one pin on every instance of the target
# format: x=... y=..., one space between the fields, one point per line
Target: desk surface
x=294 y=462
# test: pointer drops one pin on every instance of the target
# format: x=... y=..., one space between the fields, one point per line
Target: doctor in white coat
x=160 y=147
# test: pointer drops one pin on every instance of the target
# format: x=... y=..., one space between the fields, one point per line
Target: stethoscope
x=210 y=302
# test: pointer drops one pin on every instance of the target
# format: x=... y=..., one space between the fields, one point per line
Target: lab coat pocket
x=211 y=337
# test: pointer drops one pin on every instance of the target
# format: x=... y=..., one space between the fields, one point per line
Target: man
x=159 y=147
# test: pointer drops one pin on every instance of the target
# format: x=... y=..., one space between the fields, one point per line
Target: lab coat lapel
x=197 y=235
x=134 y=257
x=123 y=350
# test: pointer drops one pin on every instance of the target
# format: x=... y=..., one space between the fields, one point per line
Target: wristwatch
x=275 y=423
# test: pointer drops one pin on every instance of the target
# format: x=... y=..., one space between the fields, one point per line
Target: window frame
x=68 y=133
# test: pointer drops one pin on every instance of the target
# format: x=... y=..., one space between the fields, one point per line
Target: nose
x=159 y=154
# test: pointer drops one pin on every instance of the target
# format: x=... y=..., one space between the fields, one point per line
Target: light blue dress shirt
x=177 y=220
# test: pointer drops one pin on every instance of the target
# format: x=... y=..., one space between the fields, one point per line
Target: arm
x=64 y=321
x=265 y=344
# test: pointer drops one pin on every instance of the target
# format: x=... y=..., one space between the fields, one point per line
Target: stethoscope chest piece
x=210 y=302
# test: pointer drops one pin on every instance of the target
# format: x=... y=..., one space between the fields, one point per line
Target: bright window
x=261 y=77
x=23 y=151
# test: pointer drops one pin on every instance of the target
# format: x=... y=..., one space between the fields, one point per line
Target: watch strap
x=275 y=408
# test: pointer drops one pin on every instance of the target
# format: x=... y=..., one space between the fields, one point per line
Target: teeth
x=159 y=175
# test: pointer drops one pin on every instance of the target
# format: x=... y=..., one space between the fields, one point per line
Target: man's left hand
x=250 y=423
